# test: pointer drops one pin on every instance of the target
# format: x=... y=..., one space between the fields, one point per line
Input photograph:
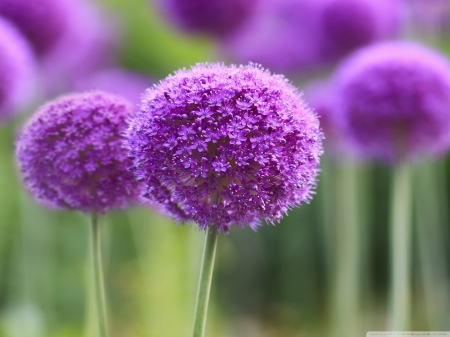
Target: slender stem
x=204 y=285
x=401 y=239
x=98 y=275
x=347 y=277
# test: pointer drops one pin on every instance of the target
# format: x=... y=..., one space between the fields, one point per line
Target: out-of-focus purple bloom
x=17 y=70
x=394 y=101
x=43 y=22
x=321 y=96
x=71 y=153
x=117 y=81
x=86 y=46
x=302 y=35
x=215 y=17
x=225 y=145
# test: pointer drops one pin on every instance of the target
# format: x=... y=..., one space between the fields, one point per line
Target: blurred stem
x=204 y=285
x=347 y=257
x=98 y=275
x=431 y=224
x=400 y=250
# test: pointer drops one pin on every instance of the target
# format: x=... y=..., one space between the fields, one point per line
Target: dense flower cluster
x=43 y=22
x=394 y=101
x=71 y=153
x=216 y=17
x=225 y=146
x=303 y=35
x=17 y=67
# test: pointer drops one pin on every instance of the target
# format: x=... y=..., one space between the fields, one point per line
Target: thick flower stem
x=98 y=275
x=204 y=285
x=401 y=239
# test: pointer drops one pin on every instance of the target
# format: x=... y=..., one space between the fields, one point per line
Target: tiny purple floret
x=71 y=153
x=226 y=145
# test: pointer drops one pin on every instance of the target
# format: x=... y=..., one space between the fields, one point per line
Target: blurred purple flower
x=394 y=101
x=215 y=17
x=302 y=35
x=71 y=153
x=43 y=22
x=17 y=70
x=87 y=45
x=205 y=174
x=117 y=81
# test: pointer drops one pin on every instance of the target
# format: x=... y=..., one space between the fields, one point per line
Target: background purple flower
x=43 y=22
x=17 y=67
x=394 y=101
x=226 y=145
x=87 y=45
x=302 y=35
x=117 y=81
x=215 y=17
x=71 y=153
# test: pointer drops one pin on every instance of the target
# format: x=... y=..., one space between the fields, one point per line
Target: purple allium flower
x=215 y=17
x=117 y=81
x=394 y=101
x=17 y=67
x=43 y=22
x=302 y=35
x=225 y=146
x=71 y=153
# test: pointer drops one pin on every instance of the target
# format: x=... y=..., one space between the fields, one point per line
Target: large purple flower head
x=43 y=22
x=394 y=101
x=299 y=36
x=225 y=145
x=215 y=17
x=71 y=153
x=17 y=68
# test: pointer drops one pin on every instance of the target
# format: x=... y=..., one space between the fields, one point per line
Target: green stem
x=98 y=275
x=347 y=278
x=401 y=239
x=204 y=285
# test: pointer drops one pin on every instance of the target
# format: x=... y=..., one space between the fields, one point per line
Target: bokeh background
x=277 y=281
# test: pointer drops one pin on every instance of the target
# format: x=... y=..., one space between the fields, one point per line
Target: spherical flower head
x=117 y=81
x=43 y=22
x=394 y=101
x=71 y=153
x=17 y=68
x=225 y=146
x=214 y=17
x=302 y=36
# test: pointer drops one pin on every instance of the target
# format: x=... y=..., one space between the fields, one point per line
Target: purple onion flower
x=71 y=153
x=215 y=17
x=17 y=68
x=43 y=22
x=394 y=101
x=302 y=35
x=225 y=146
x=118 y=81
